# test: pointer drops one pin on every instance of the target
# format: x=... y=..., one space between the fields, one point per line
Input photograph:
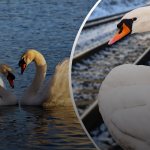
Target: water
x=109 y=7
x=35 y=128
x=50 y=27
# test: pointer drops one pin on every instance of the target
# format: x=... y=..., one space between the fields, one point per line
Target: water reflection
x=38 y=128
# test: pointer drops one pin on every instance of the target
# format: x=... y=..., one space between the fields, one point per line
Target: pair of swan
x=37 y=93
x=124 y=97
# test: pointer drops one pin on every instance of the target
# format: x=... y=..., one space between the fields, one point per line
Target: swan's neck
x=37 y=82
x=142 y=25
x=38 y=79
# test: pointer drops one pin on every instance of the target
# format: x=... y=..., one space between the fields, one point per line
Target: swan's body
x=31 y=96
x=6 y=97
x=59 y=89
x=124 y=97
x=37 y=93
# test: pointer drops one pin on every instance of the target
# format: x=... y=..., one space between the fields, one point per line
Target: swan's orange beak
x=23 y=65
x=120 y=34
x=11 y=78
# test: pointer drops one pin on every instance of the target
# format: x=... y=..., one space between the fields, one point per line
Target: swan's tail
x=59 y=93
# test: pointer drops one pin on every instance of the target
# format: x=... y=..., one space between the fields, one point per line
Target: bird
x=59 y=87
x=6 y=97
x=124 y=96
x=47 y=94
x=135 y=21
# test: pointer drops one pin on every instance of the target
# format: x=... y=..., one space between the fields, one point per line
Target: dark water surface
x=35 y=128
x=49 y=26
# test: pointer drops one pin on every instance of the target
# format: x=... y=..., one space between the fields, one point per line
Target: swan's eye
x=134 y=19
x=125 y=22
x=119 y=25
x=21 y=62
x=121 y=29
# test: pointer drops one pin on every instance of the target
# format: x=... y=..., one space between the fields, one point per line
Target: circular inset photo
x=110 y=77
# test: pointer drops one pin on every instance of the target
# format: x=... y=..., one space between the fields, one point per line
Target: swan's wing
x=56 y=91
x=129 y=110
x=134 y=122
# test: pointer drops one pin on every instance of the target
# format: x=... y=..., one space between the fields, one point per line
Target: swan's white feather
x=124 y=98
x=124 y=102
x=2 y=84
x=6 y=97
x=142 y=23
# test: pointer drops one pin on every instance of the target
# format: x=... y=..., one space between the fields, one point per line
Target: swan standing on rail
x=6 y=97
x=124 y=97
x=55 y=92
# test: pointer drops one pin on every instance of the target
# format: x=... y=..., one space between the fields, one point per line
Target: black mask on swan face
x=22 y=64
x=125 y=28
x=11 y=78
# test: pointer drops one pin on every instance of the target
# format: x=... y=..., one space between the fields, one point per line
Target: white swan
x=124 y=97
x=136 y=21
x=52 y=92
x=6 y=97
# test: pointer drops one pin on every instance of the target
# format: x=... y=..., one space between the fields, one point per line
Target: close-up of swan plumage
x=124 y=97
x=37 y=93
x=6 y=97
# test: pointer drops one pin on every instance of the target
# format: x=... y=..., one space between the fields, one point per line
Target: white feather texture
x=143 y=18
x=124 y=97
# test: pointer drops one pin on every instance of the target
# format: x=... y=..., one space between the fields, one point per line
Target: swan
x=6 y=97
x=55 y=92
x=59 y=92
x=136 y=21
x=124 y=96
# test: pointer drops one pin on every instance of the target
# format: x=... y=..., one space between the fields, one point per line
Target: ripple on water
x=37 y=128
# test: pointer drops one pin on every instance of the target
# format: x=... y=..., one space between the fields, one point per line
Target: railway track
x=93 y=110
x=88 y=64
x=90 y=54
x=96 y=23
x=89 y=69
x=104 y=20
x=100 y=24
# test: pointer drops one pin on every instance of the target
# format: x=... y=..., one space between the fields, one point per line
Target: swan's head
x=29 y=56
x=7 y=72
x=125 y=27
x=26 y=59
x=136 y=21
